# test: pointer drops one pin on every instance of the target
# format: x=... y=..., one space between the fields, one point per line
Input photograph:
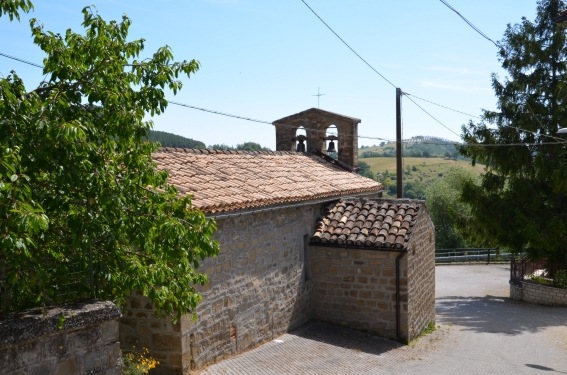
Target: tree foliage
x=246 y=146
x=251 y=146
x=79 y=192
x=416 y=147
x=449 y=213
x=521 y=202
x=12 y=8
x=365 y=170
x=172 y=140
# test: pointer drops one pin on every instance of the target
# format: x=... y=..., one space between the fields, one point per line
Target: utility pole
x=399 y=168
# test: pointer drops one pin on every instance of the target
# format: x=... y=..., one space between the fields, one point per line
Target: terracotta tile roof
x=222 y=181
x=378 y=224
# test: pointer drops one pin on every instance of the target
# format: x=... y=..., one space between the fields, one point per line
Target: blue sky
x=266 y=59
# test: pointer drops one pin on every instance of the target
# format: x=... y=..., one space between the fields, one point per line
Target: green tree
x=521 y=202
x=12 y=8
x=365 y=170
x=172 y=140
x=221 y=146
x=251 y=146
x=449 y=213
x=79 y=192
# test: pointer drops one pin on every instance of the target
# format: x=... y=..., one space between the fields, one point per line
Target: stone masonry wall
x=357 y=288
x=421 y=276
x=258 y=288
x=516 y=292
x=85 y=343
x=316 y=124
x=540 y=294
x=140 y=328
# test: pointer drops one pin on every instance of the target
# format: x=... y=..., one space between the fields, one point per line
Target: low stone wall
x=537 y=293
x=141 y=328
x=84 y=341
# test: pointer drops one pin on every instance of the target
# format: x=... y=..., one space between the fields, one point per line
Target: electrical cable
x=433 y=117
x=348 y=46
x=250 y=119
x=470 y=23
x=371 y=67
x=245 y=118
x=21 y=60
x=219 y=113
x=442 y=106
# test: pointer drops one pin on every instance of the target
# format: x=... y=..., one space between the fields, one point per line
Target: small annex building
x=301 y=237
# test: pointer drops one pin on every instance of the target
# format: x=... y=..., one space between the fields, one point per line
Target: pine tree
x=521 y=202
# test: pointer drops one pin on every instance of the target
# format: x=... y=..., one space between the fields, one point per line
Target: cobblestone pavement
x=479 y=331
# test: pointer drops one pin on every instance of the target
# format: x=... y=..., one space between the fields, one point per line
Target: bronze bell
x=331 y=147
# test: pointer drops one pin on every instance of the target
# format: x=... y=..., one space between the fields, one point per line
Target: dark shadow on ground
x=347 y=338
x=491 y=314
x=544 y=368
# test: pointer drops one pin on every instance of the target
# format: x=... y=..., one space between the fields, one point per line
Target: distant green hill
x=173 y=140
x=417 y=147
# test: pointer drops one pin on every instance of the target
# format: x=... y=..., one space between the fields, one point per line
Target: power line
x=348 y=46
x=21 y=60
x=367 y=137
x=235 y=116
x=219 y=113
x=433 y=117
x=245 y=118
x=442 y=106
x=470 y=23
x=371 y=67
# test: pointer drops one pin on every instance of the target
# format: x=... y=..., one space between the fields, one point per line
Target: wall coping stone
x=29 y=324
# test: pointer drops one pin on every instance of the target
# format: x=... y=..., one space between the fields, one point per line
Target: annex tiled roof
x=223 y=181
x=378 y=224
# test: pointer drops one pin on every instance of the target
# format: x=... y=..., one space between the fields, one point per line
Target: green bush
x=560 y=279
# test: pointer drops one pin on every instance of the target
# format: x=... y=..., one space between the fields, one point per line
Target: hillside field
x=418 y=173
x=425 y=166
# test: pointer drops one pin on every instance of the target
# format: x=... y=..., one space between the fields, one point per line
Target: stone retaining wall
x=85 y=342
x=540 y=294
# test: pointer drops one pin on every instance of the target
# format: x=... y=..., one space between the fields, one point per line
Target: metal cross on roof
x=318 y=95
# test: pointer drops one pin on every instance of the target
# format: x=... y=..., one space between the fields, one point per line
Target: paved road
x=480 y=331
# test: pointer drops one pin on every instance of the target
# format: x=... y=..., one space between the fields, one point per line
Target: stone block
x=166 y=342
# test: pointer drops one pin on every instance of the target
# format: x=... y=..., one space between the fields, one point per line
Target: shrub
x=560 y=279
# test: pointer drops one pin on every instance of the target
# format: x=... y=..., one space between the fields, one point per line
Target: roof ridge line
x=211 y=151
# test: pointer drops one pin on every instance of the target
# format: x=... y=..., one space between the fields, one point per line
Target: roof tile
x=223 y=181
x=379 y=224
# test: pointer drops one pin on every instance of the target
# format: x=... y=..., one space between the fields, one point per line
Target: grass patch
x=427 y=167
x=431 y=327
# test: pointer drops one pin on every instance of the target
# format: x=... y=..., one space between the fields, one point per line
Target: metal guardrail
x=470 y=255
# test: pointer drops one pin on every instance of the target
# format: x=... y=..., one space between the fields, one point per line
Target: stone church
x=301 y=237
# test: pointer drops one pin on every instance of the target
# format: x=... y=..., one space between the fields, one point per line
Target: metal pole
x=399 y=171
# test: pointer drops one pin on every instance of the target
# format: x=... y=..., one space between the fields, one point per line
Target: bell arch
x=316 y=122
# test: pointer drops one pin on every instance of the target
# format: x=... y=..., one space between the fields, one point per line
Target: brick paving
x=480 y=330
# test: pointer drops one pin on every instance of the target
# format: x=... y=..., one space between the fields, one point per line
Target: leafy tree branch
x=79 y=191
